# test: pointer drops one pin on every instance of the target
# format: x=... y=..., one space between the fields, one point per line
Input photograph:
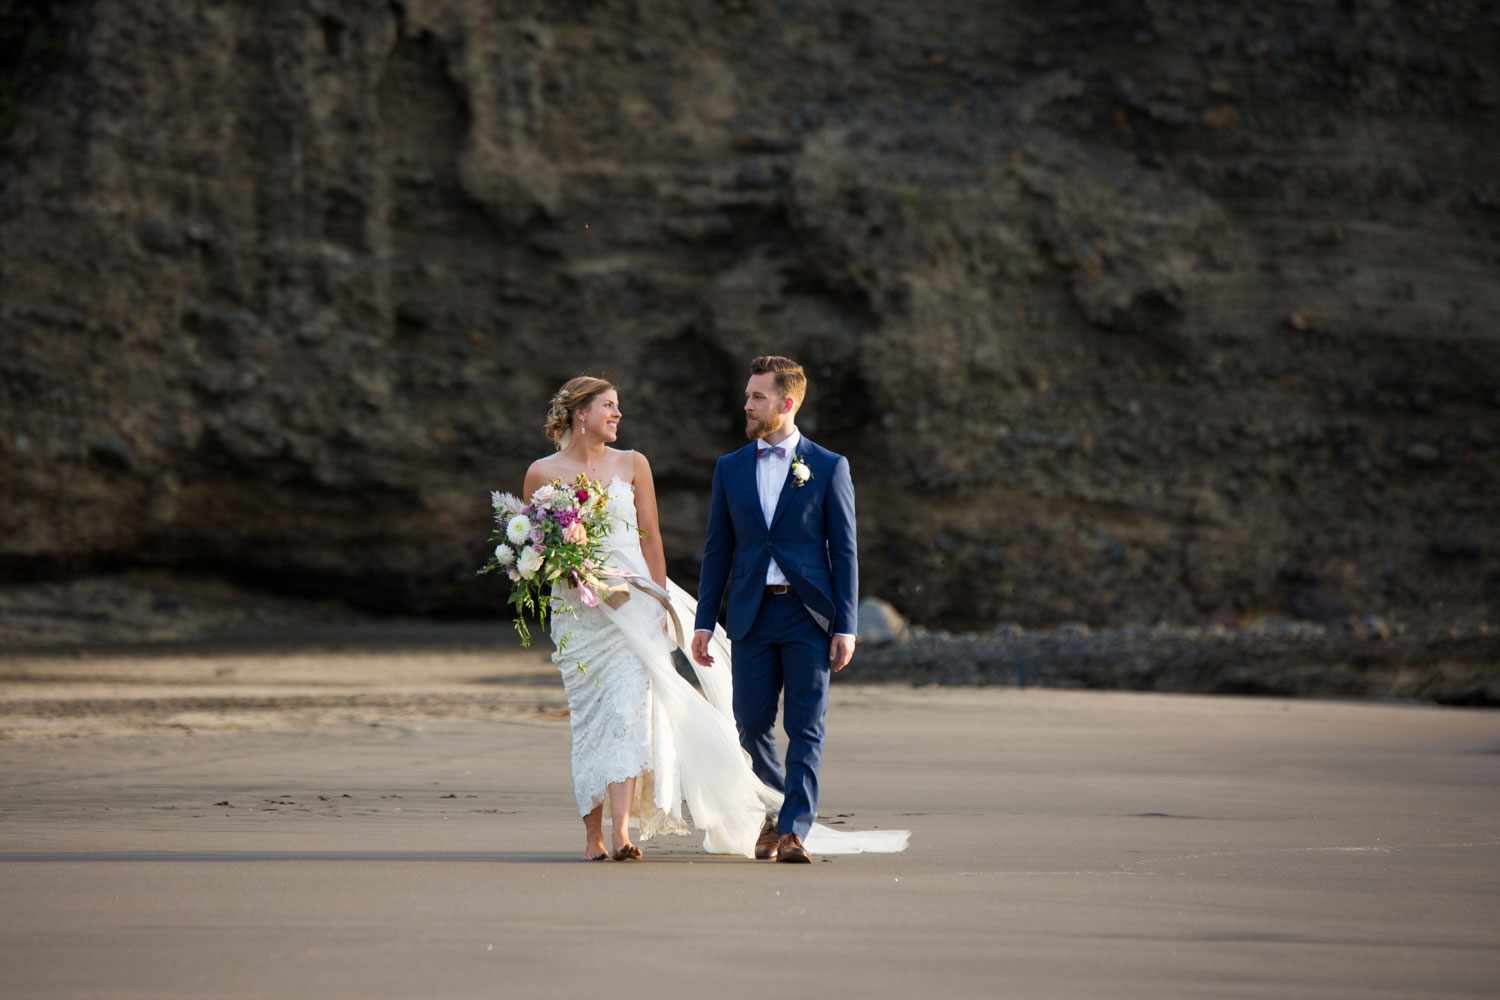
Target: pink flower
x=582 y=495
x=575 y=534
x=586 y=593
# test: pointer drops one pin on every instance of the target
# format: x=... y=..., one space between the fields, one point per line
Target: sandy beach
x=390 y=815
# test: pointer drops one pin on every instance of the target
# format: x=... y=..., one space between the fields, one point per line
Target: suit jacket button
x=768 y=543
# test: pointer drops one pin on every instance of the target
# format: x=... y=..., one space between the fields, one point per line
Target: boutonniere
x=800 y=472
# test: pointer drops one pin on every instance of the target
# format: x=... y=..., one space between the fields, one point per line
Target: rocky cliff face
x=1123 y=310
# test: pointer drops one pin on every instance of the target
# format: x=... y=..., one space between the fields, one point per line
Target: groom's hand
x=839 y=652
x=700 y=649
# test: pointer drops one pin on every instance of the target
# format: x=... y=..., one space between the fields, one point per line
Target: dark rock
x=758 y=178
x=370 y=299
x=415 y=315
x=1317 y=604
x=1296 y=573
x=549 y=244
x=759 y=143
x=880 y=622
x=1423 y=453
x=1289 y=659
x=160 y=236
x=1455 y=548
x=111 y=451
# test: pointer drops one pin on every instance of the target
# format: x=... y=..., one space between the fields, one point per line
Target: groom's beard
x=757 y=429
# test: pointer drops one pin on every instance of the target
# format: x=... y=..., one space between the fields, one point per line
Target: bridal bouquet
x=557 y=537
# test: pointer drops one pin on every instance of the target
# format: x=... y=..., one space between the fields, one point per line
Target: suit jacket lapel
x=789 y=487
x=749 y=485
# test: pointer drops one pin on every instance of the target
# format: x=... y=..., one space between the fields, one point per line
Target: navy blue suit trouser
x=784 y=650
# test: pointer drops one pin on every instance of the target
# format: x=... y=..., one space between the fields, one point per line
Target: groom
x=781 y=537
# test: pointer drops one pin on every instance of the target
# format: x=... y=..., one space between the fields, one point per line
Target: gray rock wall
x=1123 y=311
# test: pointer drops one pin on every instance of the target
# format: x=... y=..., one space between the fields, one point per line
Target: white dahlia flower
x=518 y=530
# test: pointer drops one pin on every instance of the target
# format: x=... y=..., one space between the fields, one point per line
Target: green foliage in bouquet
x=557 y=537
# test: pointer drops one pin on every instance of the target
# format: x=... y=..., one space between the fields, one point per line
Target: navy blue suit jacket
x=811 y=537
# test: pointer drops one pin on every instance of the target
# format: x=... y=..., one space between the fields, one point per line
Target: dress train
x=727 y=801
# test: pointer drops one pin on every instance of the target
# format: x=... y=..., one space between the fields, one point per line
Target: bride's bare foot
x=593 y=836
x=621 y=794
x=620 y=837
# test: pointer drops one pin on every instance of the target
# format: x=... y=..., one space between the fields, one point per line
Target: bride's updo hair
x=575 y=394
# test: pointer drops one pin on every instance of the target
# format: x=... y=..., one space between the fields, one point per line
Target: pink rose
x=575 y=534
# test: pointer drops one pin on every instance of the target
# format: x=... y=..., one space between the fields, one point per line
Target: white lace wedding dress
x=633 y=715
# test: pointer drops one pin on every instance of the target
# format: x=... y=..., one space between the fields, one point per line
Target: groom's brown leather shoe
x=789 y=848
x=765 y=844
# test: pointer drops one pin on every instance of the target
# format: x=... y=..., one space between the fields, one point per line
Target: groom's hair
x=791 y=380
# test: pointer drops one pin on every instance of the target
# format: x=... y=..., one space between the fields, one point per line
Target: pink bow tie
x=776 y=450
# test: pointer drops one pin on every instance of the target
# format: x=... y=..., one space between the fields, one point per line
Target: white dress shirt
x=770 y=477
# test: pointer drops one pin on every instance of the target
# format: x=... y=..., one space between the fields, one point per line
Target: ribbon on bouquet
x=616 y=594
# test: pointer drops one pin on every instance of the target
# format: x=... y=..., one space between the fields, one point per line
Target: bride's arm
x=645 y=514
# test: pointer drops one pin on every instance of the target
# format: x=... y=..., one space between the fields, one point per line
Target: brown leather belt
x=779 y=588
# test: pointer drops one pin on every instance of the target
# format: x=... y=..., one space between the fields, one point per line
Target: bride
x=645 y=741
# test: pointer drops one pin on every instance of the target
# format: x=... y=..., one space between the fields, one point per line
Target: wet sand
x=394 y=819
